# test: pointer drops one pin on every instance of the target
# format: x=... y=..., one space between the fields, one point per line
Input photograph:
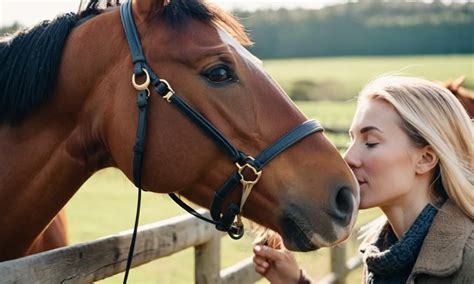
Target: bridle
x=223 y=221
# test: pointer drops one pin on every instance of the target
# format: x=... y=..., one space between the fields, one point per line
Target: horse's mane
x=179 y=12
x=30 y=59
x=30 y=62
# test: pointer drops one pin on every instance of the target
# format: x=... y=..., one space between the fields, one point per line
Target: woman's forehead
x=375 y=113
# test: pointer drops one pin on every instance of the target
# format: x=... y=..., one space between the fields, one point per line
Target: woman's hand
x=276 y=263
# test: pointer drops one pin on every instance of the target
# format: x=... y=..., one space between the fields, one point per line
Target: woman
x=412 y=152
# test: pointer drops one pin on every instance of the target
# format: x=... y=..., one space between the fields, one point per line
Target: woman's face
x=381 y=155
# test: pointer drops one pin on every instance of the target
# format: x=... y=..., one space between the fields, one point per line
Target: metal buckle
x=257 y=174
x=236 y=230
x=143 y=86
x=170 y=93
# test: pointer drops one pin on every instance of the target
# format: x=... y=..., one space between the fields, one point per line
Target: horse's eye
x=219 y=74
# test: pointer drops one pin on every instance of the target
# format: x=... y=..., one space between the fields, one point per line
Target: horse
x=53 y=236
x=74 y=93
x=464 y=95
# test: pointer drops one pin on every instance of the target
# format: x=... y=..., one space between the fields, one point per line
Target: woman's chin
x=365 y=204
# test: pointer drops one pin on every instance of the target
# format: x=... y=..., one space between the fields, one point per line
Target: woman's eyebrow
x=370 y=128
x=366 y=129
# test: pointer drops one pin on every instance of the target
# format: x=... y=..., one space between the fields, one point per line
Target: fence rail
x=340 y=267
x=96 y=260
x=105 y=257
x=334 y=130
x=338 y=132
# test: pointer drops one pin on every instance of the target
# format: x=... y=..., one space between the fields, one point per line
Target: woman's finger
x=261 y=266
x=260 y=261
x=268 y=253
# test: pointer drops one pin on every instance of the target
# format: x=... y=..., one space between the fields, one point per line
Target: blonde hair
x=431 y=115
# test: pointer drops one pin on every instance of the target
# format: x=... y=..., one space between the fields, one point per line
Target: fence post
x=207 y=261
x=338 y=263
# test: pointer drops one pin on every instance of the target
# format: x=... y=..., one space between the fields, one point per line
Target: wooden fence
x=338 y=132
x=96 y=260
x=341 y=266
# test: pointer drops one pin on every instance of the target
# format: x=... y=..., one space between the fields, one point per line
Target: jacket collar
x=442 y=250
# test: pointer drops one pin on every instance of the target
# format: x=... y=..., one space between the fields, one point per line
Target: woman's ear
x=144 y=9
x=427 y=161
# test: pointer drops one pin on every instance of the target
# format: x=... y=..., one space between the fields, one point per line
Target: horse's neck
x=466 y=97
x=466 y=93
x=47 y=157
x=39 y=173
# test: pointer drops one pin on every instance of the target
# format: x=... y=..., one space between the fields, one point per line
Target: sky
x=31 y=12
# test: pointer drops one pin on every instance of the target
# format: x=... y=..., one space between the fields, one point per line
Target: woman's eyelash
x=371 y=145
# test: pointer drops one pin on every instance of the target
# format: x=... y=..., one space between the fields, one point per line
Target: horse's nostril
x=344 y=200
x=342 y=205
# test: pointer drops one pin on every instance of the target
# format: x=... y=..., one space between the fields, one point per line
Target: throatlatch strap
x=189 y=209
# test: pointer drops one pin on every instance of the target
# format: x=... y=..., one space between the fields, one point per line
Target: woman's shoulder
x=451 y=228
x=450 y=218
x=448 y=249
x=467 y=269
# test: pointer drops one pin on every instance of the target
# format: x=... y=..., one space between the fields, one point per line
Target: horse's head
x=306 y=193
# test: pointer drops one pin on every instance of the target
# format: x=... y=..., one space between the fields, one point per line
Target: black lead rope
x=134 y=237
x=138 y=149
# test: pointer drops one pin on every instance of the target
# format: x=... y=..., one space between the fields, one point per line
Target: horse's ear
x=458 y=82
x=446 y=84
x=145 y=9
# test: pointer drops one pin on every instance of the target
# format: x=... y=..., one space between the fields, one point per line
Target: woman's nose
x=351 y=157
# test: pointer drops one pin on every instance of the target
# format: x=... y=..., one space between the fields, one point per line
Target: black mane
x=30 y=64
x=179 y=12
x=30 y=59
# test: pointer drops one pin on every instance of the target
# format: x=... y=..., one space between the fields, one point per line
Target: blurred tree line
x=10 y=29
x=366 y=27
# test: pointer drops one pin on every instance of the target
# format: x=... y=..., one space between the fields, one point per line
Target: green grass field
x=345 y=76
x=106 y=203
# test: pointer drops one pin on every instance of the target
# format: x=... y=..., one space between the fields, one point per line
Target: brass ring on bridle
x=143 y=86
